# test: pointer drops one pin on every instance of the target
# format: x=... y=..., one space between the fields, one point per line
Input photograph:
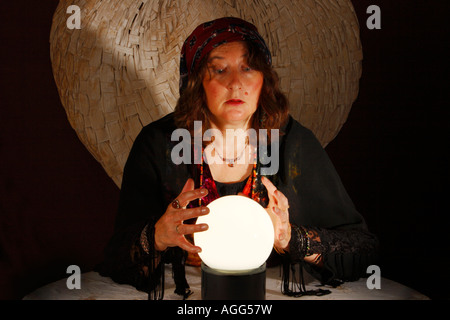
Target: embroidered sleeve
x=326 y=241
x=344 y=256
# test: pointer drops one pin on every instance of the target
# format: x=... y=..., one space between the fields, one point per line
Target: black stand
x=222 y=285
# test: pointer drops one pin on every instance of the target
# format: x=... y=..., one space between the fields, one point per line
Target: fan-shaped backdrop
x=120 y=71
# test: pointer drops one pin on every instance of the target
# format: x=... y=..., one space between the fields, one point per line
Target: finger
x=187 y=196
x=269 y=185
x=187 y=246
x=271 y=189
x=282 y=228
x=283 y=215
x=184 y=229
x=193 y=213
x=188 y=186
x=281 y=200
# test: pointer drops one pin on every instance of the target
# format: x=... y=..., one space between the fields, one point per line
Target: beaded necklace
x=231 y=162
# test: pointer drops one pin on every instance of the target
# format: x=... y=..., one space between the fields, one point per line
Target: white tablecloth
x=96 y=287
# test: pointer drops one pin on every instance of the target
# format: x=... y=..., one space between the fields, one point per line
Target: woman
x=228 y=85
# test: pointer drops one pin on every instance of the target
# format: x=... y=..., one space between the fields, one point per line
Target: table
x=96 y=287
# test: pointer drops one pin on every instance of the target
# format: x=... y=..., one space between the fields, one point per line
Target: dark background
x=57 y=205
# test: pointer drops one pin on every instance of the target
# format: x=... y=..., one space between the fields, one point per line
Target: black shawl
x=318 y=202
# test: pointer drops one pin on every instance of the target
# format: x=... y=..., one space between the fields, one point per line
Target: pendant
x=231 y=165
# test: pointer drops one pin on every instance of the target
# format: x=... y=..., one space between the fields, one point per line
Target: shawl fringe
x=293 y=282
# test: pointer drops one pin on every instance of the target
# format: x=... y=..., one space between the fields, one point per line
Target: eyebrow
x=246 y=55
x=215 y=57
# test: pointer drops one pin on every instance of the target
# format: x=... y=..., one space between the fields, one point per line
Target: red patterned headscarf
x=212 y=34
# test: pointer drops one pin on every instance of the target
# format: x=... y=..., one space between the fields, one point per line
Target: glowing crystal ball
x=240 y=235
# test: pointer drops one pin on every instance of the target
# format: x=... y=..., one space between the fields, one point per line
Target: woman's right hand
x=170 y=230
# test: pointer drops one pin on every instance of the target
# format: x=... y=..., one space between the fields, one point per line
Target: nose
x=235 y=82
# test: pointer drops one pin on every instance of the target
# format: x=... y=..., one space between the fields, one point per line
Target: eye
x=246 y=69
x=216 y=69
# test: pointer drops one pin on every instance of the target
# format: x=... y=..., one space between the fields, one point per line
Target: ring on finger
x=176 y=204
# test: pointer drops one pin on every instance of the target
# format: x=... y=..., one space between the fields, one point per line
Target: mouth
x=235 y=102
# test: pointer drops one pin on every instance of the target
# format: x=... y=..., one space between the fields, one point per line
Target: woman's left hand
x=278 y=210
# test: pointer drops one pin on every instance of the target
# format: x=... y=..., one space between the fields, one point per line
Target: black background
x=57 y=205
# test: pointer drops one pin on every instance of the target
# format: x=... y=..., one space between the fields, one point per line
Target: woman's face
x=232 y=88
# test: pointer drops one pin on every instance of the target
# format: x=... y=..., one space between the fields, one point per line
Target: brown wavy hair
x=273 y=106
